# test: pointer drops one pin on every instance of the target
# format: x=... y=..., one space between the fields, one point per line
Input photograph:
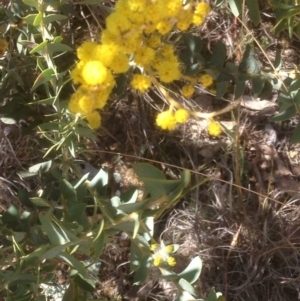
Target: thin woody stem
x=177 y=105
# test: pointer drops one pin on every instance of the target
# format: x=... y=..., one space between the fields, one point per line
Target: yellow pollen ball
x=187 y=91
x=154 y=41
x=73 y=105
x=166 y=120
x=76 y=74
x=154 y=13
x=163 y=27
x=117 y=23
x=86 y=104
x=185 y=19
x=198 y=20
x=206 y=80
x=181 y=116
x=94 y=73
x=120 y=64
x=167 y=50
x=94 y=119
x=144 y=56
x=214 y=129
x=86 y=51
x=173 y=7
x=101 y=98
x=203 y=9
x=140 y=82
x=168 y=71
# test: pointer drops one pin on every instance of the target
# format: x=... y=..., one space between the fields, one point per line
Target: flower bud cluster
x=161 y=255
x=134 y=37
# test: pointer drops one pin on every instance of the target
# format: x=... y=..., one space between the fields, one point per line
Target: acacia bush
x=146 y=45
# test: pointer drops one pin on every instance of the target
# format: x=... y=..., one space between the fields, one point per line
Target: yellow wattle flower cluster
x=167 y=120
x=133 y=37
x=95 y=74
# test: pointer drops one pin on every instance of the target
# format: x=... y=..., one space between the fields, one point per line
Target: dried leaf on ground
x=256 y=104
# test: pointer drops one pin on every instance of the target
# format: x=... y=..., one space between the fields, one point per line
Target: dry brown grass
x=254 y=259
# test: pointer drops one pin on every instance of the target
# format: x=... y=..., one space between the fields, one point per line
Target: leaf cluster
x=56 y=228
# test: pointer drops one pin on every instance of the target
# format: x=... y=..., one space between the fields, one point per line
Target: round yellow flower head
x=166 y=120
x=150 y=28
x=73 y=104
x=214 y=129
x=86 y=99
x=117 y=23
x=101 y=98
x=131 y=43
x=76 y=73
x=110 y=54
x=185 y=19
x=140 y=82
x=154 y=41
x=108 y=37
x=120 y=64
x=187 y=91
x=136 y=5
x=173 y=7
x=202 y=9
x=163 y=27
x=167 y=50
x=95 y=73
x=144 y=56
x=181 y=116
x=154 y=13
x=94 y=119
x=206 y=80
x=168 y=71
x=198 y=20
x=86 y=51
x=3 y=46
x=86 y=104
